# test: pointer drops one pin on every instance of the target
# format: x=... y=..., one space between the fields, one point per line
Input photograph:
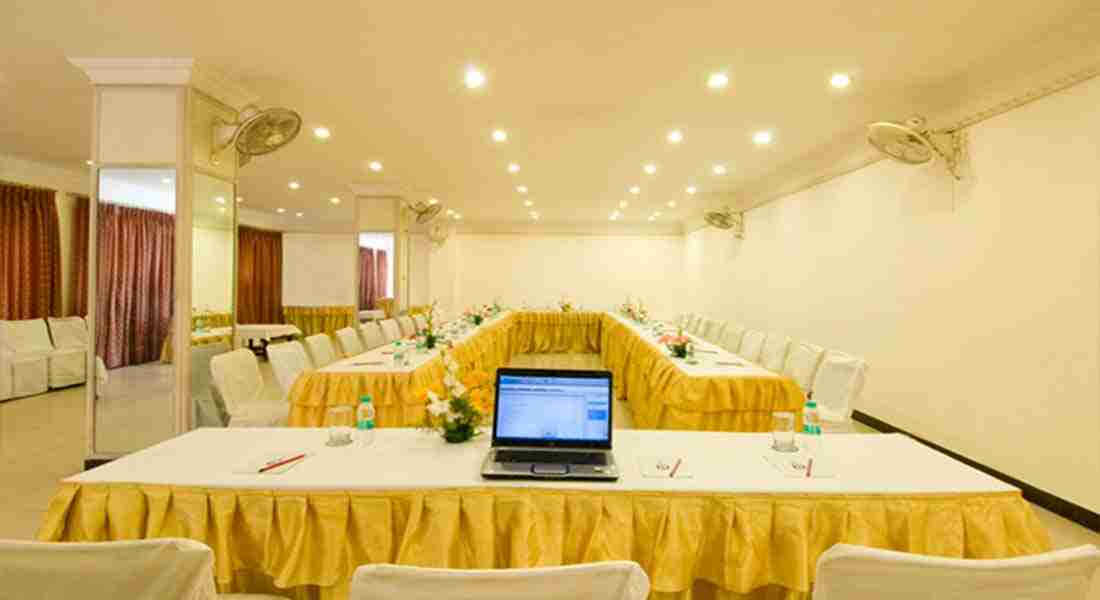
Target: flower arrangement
x=477 y=314
x=459 y=407
x=430 y=338
x=677 y=344
x=635 y=311
x=565 y=305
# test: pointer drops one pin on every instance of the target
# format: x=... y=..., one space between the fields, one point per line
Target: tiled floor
x=42 y=440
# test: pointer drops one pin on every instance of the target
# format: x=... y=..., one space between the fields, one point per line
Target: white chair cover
x=407 y=326
x=209 y=408
x=802 y=363
x=837 y=385
x=612 y=580
x=288 y=361
x=350 y=345
x=321 y=350
x=774 y=353
x=390 y=330
x=241 y=386
x=846 y=572
x=69 y=360
x=752 y=345
x=731 y=338
x=421 y=323
x=695 y=324
x=371 y=334
x=25 y=350
x=715 y=331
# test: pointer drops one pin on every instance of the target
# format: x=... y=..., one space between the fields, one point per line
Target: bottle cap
x=366 y=398
x=811 y=403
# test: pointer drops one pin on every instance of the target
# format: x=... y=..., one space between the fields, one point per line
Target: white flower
x=438 y=407
x=450 y=363
x=458 y=389
x=432 y=396
x=450 y=380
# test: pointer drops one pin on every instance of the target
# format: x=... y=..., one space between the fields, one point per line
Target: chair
x=390 y=330
x=714 y=331
x=802 y=363
x=154 y=569
x=209 y=407
x=731 y=338
x=238 y=380
x=371 y=335
x=288 y=361
x=695 y=324
x=837 y=385
x=68 y=363
x=846 y=572
x=321 y=350
x=752 y=345
x=24 y=358
x=421 y=323
x=774 y=353
x=612 y=580
x=350 y=345
x=407 y=325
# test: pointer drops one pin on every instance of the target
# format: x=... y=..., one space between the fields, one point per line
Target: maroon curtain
x=367 y=280
x=381 y=269
x=259 y=276
x=135 y=285
x=30 y=253
x=79 y=302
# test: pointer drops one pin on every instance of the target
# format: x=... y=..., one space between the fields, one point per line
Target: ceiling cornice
x=167 y=71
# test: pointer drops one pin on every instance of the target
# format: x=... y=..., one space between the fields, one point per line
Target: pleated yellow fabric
x=692 y=545
x=168 y=351
x=320 y=319
x=211 y=320
x=557 y=333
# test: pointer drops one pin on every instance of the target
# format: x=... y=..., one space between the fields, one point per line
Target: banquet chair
x=731 y=337
x=371 y=335
x=350 y=345
x=68 y=364
x=773 y=355
x=421 y=323
x=407 y=325
x=238 y=380
x=695 y=324
x=24 y=358
x=390 y=330
x=837 y=385
x=321 y=350
x=846 y=572
x=288 y=361
x=752 y=345
x=208 y=406
x=802 y=364
x=611 y=580
x=154 y=569
x=714 y=331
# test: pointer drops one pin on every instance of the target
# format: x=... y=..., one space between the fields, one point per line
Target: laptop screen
x=553 y=408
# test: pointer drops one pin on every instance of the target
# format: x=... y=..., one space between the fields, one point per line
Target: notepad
x=253 y=465
x=794 y=465
x=664 y=467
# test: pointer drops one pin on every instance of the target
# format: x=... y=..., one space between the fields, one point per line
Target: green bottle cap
x=366 y=398
x=811 y=404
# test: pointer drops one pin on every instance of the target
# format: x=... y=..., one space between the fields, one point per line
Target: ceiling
x=586 y=91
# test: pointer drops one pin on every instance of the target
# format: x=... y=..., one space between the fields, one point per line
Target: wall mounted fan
x=726 y=219
x=439 y=233
x=911 y=143
x=256 y=132
x=424 y=212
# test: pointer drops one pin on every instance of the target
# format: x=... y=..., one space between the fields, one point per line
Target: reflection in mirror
x=135 y=262
x=376 y=274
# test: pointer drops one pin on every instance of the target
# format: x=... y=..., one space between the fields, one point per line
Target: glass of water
x=340 y=426
x=783 y=432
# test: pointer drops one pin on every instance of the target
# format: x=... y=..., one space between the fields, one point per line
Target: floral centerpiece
x=461 y=406
x=430 y=338
x=565 y=305
x=477 y=314
x=635 y=311
x=677 y=344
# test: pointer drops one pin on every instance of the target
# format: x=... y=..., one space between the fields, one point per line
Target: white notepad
x=662 y=467
x=794 y=465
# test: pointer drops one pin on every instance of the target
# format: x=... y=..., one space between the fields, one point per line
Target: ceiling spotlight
x=635 y=190
x=375 y=166
x=321 y=133
x=474 y=78
x=521 y=189
x=450 y=212
x=691 y=189
x=220 y=199
x=334 y=200
x=499 y=135
x=280 y=210
x=762 y=138
x=840 y=80
x=535 y=215
x=657 y=214
x=513 y=168
x=221 y=209
x=718 y=169
x=650 y=168
x=613 y=217
x=672 y=204
x=458 y=216
x=623 y=204
x=294 y=185
x=675 y=136
x=240 y=199
x=299 y=215
x=528 y=203
x=718 y=80
x=651 y=218
x=89 y=163
x=433 y=200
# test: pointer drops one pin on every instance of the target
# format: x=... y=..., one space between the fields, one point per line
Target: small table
x=258 y=336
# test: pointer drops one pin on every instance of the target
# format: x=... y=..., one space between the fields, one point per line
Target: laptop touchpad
x=549 y=469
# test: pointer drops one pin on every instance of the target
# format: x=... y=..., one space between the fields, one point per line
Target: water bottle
x=811 y=428
x=398 y=354
x=364 y=420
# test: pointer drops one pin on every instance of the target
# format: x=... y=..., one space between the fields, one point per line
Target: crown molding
x=136 y=71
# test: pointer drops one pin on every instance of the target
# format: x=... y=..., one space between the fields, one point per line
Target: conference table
x=731 y=525
x=721 y=392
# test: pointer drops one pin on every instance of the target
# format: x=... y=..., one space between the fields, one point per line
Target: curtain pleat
x=259 y=276
x=381 y=274
x=367 y=280
x=30 y=253
x=79 y=302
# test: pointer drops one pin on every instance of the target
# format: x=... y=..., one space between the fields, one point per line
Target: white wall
x=319 y=269
x=976 y=304
x=212 y=269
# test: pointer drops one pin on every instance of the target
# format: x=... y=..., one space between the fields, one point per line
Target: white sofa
x=25 y=351
x=68 y=362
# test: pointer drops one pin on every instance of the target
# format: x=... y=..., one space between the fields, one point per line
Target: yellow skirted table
x=320 y=319
x=693 y=543
x=210 y=336
x=555 y=332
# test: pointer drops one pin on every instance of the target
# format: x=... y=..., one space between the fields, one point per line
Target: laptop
x=552 y=424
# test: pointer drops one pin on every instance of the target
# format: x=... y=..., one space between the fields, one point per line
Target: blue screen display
x=554 y=408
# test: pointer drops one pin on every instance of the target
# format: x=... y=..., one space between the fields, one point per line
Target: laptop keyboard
x=542 y=456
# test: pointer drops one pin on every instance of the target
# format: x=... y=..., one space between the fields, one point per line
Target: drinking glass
x=339 y=419
x=783 y=432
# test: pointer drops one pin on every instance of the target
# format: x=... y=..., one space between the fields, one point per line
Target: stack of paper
x=664 y=467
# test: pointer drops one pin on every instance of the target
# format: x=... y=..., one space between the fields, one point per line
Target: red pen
x=809 y=466
x=675 y=467
x=285 y=461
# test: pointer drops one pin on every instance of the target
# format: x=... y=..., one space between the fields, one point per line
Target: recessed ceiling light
x=513 y=168
x=280 y=210
x=672 y=204
x=635 y=190
x=321 y=133
x=450 y=212
x=433 y=200
x=240 y=199
x=220 y=199
x=718 y=169
x=528 y=203
x=294 y=185
x=718 y=80
x=474 y=78
x=458 y=216
x=221 y=209
x=650 y=168
x=691 y=189
x=623 y=204
x=762 y=138
x=299 y=215
x=521 y=189
x=166 y=180
x=652 y=218
x=89 y=163
x=499 y=135
x=375 y=166
x=675 y=136
x=840 y=80
x=334 y=200
x=535 y=215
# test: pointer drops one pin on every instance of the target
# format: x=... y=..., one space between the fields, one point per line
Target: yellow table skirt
x=692 y=545
x=557 y=333
x=168 y=352
x=320 y=319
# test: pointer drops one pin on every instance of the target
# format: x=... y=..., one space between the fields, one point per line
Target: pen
x=809 y=466
x=675 y=467
x=281 y=463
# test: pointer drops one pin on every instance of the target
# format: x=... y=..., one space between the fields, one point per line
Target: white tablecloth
x=246 y=334
x=371 y=315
